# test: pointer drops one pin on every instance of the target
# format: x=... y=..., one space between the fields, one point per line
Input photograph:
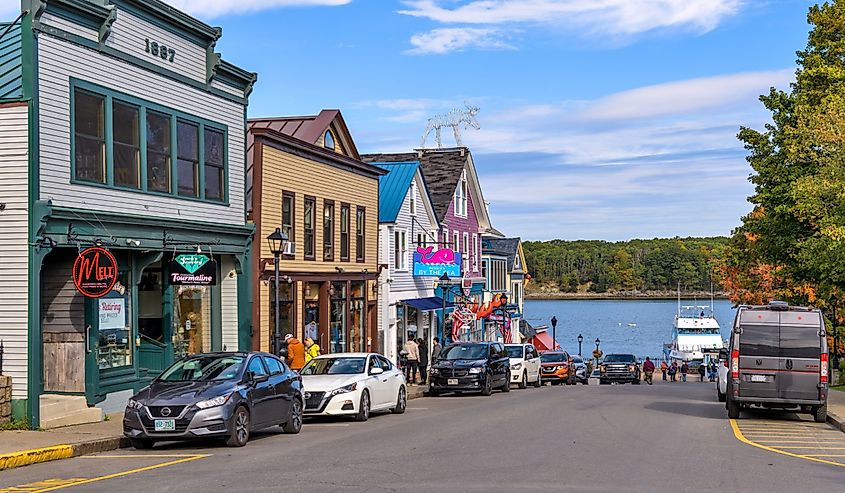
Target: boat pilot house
x=138 y=245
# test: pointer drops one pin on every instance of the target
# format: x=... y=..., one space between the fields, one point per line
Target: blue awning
x=426 y=304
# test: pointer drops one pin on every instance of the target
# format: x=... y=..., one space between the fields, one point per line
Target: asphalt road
x=585 y=438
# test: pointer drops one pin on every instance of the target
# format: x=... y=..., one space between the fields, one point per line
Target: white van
x=525 y=364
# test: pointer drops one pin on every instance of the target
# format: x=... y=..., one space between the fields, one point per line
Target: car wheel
x=820 y=413
x=524 y=382
x=733 y=408
x=719 y=394
x=636 y=381
x=586 y=381
x=488 y=385
x=401 y=402
x=363 y=407
x=434 y=393
x=294 y=423
x=539 y=382
x=507 y=386
x=240 y=428
x=142 y=443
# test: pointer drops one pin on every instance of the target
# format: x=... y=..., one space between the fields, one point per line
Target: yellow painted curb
x=739 y=436
x=34 y=456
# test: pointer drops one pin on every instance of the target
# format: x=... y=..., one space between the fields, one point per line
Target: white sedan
x=353 y=384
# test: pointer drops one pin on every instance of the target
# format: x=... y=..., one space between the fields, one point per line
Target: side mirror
x=255 y=378
x=376 y=371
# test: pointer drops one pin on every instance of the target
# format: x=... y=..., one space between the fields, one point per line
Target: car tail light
x=735 y=363
x=823 y=368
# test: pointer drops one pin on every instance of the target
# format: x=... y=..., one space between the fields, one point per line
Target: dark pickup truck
x=622 y=368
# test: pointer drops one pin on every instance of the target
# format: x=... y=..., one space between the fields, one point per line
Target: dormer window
x=328 y=140
x=461 y=197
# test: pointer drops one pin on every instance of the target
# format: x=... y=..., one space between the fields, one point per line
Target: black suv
x=471 y=367
x=619 y=368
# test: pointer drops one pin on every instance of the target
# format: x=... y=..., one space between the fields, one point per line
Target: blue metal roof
x=11 y=75
x=393 y=188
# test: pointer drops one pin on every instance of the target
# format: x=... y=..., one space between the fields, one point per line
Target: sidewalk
x=836 y=409
x=21 y=448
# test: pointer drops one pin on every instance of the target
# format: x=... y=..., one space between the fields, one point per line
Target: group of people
x=414 y=359
x=672 y=371
x=298 y=354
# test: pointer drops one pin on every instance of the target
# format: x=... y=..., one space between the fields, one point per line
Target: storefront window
x=285 y=308
x=114 y=347
x=311 y=315
x=358 y=310
x=158 y=152
x=191 y=320
x=89 y=137
x=337 y=325
x=149 y=305
x=215 y=167
x=187 y=159
x=127 y=150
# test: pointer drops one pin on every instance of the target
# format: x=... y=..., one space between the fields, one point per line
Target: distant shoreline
x=619 y=297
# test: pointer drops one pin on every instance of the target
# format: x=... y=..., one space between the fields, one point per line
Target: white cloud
x=685 y=96
x=446 y=40
x=217 y=8
x=606 y=16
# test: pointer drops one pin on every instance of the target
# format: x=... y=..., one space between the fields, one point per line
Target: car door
x=759 y=341
x=261 y=392
x=281 y=379
x=377 y=382
x=501 y=363
x=394 y=378
x=800 y=355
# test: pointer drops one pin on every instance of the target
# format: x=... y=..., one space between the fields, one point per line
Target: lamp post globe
x=276 y=242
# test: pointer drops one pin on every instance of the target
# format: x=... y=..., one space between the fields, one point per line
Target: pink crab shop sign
x=428 y=263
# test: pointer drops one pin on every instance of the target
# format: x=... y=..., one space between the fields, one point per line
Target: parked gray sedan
x=225 y=395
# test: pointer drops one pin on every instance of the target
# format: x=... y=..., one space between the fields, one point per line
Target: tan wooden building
x=305 y=176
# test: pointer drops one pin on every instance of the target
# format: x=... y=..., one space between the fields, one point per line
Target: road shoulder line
x=739 y=436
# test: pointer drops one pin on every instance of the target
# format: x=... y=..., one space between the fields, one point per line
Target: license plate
x=758 y=378
x=165 y=425
x=452 y=381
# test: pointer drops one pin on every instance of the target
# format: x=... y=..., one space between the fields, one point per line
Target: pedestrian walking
x=296 y=352
x=714 y=370
x=701 y=371
x=312 y=350
x=413 y=359
x=423 y=350
x=648 y=369
x=663 y=369
x=673 y=371
x=684 y=370
x=435 y=350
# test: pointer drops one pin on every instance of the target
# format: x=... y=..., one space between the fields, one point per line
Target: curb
x=56 y=452
x=836 y=421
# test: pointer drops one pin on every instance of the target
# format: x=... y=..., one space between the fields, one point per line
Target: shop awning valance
x=426 y=304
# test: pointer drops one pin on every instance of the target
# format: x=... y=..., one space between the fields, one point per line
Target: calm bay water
x=608 y=320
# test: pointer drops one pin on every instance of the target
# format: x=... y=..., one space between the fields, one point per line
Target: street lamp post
x=580 y=340
x=554 y=333
x=444 y=280
x=598 y=342
x=277 y=241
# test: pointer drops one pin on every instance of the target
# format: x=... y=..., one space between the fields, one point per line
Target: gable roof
x=442 y=169
x=11 y=74
x=312 y=128
x=502 y=246
x=393 y=188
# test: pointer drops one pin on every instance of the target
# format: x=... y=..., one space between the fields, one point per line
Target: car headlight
x=343 y=390
x=602 y=368
x=476 y=369
x=551 y=368
x=516 y=366
x=434 y=371
x=632 y=368
x=217 y=401
x=133 y=404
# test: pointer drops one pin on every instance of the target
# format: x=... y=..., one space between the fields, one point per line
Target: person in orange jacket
x=296 y=352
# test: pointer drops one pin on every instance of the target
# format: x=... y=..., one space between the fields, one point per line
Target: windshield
x=620 y=358
x=204 y=367
x=334 y=366
x=577 y=359
x=515 y=351
x=465 y=351
x=552 y=357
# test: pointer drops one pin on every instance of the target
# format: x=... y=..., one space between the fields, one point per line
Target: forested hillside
x=636 y=265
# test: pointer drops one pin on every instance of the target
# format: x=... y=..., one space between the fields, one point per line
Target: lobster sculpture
x=484 y=310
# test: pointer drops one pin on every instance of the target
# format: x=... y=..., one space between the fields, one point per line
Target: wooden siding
x=129 y=34
x=286 y=172
x=405 y=285
x=14 y=280
x=62 y=324
x=229 y=302
x=69 y=26
x=58 y=62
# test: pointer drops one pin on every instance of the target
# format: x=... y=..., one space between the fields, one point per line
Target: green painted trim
x=245 y=298
x=138 y=62
x=82 y=12
x=236 y=77
x=217 y=310
x=19 y=408
x=143 y=105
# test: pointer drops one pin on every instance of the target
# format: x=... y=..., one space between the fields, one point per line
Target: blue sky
x=600 y=119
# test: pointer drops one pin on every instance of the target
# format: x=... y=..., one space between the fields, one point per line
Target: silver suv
x=778 y=359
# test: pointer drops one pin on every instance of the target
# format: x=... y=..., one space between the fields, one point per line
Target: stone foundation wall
x=5 y=399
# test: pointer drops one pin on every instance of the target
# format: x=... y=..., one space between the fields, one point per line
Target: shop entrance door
x=152 y=346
